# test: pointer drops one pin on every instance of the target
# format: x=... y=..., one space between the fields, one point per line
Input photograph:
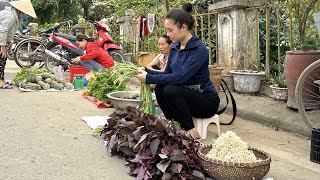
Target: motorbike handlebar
x=50 y=30
x=93 y=22
x=69 y=22
x=55 y=28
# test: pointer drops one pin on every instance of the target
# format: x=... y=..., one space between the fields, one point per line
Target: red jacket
x=94 y=52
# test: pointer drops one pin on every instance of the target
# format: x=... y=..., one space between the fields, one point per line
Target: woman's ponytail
x=182 y=16
x=187 y=7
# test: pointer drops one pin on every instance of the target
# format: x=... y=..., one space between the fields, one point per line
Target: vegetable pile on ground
x=151 y=146
x=22 y=74
x=127 y=70
x=44 y=81
x=230 y=147
x=103 y=83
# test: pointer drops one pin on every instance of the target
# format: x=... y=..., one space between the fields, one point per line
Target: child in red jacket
x=95 y=58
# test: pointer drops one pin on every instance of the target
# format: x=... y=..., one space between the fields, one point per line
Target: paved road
x=43 y=137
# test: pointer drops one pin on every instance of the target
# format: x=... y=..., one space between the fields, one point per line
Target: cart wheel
x=308 y=95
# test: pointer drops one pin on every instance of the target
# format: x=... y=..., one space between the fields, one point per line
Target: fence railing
x=277 y=34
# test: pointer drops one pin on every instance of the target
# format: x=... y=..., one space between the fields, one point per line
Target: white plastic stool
x=202 y=125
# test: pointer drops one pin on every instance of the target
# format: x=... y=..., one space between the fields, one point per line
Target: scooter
x=106 y=41
x=62 y=48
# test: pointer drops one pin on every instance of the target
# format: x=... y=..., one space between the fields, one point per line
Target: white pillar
x=238 y=40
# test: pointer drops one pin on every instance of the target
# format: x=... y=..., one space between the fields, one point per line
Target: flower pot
x=127 y=57
x=295 y=63
x=247 y=82
x=279 y=93
x=216 y=76
x=229 y=80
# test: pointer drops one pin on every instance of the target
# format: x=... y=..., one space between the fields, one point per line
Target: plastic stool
x=202 y=125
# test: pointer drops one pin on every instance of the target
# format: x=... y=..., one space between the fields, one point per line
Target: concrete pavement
x=43 y=137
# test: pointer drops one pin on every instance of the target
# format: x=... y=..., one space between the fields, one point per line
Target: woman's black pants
x=181 y=103
x=3 y=62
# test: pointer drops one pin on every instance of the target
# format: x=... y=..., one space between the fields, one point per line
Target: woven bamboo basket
x=222 y=170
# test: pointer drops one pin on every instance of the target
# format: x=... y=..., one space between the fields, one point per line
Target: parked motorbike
x=29 y=51
x=62 y=48
x=17 y=39
x=106 y=41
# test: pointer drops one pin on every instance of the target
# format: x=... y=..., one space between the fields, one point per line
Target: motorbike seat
x=72 y=38
x=28 y=36
x=25 y=36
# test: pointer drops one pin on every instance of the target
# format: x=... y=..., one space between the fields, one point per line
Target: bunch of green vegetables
x=44 y=81
x=127 y=70
x=23 y=73
x=102 y=84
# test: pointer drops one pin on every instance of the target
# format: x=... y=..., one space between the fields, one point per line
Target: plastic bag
x=58 y=71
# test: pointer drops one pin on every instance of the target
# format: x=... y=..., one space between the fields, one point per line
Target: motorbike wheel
x=29 y=53
x=50 y=63
x=117 y=55
x=11 y=56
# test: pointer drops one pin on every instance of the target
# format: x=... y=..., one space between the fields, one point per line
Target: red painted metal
x=64 y=41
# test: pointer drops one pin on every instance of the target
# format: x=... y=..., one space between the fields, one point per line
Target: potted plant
x=216 y=76
x=278 y=87
x=247 y=81
x=228 y=78
x=297 y=60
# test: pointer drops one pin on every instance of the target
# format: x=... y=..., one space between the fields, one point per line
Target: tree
x=50 y=11
x=85 y=5
x=44 y=9
x=301 y=13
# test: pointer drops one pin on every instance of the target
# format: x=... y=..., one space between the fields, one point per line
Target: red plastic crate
x=77 y=70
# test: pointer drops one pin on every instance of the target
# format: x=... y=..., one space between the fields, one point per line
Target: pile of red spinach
x=151 y=146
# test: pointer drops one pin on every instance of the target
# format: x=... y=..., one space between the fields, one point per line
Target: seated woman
x=184 y=89
x=160 y=61
x=95 y=58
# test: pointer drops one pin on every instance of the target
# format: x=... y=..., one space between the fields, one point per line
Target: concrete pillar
x=238 y=29
x=128 y=30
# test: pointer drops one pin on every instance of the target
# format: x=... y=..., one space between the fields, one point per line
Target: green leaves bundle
x=104 y=83
x=127 y=70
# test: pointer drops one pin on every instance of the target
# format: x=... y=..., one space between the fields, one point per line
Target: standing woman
x=9 y=24
x=184 y=89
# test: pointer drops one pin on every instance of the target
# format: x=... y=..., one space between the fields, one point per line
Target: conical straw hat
x=24 y=6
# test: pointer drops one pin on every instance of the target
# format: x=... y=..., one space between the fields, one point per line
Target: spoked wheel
x=29 y=53
x=117 y=55
x=308 y=95
x=11 y=55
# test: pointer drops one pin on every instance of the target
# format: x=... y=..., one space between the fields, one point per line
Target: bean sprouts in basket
x=230 y=147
